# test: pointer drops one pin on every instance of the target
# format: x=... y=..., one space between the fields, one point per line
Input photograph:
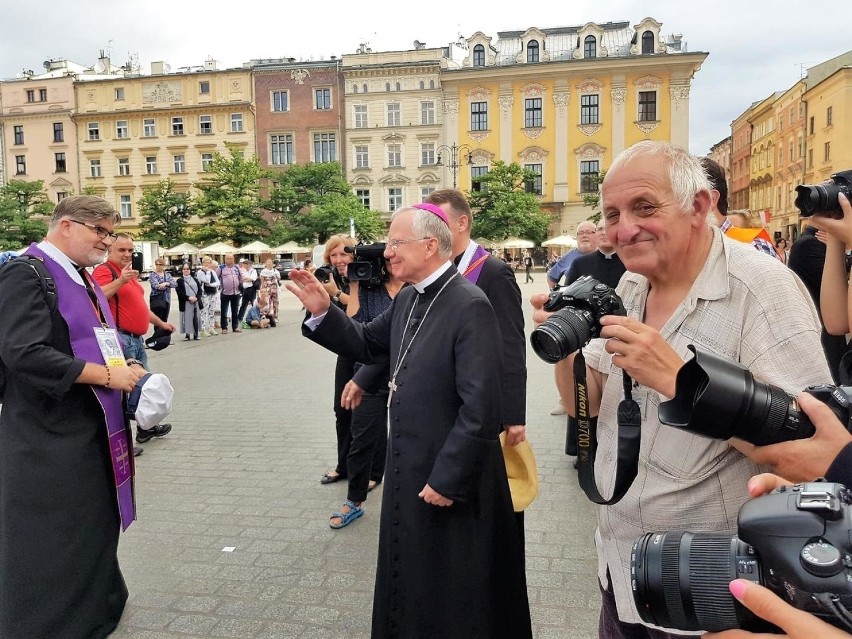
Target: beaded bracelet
x=109 y=376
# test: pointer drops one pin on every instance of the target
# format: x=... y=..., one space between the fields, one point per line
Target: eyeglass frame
x=587 y=232
x=394 y=245
x=100 y=231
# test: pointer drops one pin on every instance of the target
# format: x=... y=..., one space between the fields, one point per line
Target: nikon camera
x=822 y=198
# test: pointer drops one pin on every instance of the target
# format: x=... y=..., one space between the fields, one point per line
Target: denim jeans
x=134 y=348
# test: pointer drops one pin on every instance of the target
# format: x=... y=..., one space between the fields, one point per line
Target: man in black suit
x=497 y=281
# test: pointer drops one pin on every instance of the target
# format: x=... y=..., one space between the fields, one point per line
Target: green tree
x=24 y=207
x=593 y=199
x=230 y=200
x=305 y=184
x=165 y=213
x=505 y=208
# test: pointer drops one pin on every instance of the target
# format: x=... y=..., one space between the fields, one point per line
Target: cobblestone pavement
x=233 y=538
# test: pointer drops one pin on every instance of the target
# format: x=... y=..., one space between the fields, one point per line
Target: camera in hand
x=718 y=398
x=795 y=541
x=822 y=198
x=369 y=267
x=324 y=273
x=577 y=310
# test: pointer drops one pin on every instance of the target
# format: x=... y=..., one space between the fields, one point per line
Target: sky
x=756 y=47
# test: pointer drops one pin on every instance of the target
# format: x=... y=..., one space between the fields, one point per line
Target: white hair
x=427 y=224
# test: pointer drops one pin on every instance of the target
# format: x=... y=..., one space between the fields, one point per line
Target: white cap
x=150 y=402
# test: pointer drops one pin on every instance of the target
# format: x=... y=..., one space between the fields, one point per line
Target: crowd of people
x=430 y=371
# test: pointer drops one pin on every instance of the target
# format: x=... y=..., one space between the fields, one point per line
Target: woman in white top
x=209 y=281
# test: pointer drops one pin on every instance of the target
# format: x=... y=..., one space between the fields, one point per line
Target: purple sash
x=477 y=261
x=79 y=314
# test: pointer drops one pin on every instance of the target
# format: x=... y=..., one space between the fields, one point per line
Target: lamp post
x=454 y=154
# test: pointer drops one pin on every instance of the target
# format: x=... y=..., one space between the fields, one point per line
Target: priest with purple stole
x=450 y=561
x=66 y=460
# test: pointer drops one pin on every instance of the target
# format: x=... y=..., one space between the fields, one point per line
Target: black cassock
x=443 y=572
x=59 y=524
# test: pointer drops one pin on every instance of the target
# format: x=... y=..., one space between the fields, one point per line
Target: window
x=124 y=166
x=532 y=113
x=827 y=152
x=125 y=207
x=95 y=168
x=828 y=116
x=151 y=165
x=236 y=122
x=427 y=154
x=121 y=130
x=58 y=132
x=364 y=196
x=479 y=56
x=790 y=150
x=387 y=86
x=534 y=186
x=177 y=126
x=325 y=147
x=19 y=134
x=179 y=163
x=42 y=95
x=360 y=112
x=60 y=162
x=589 y=170
x=322 y=99
x=426 y=191
x=394 y=115
x=30 y=95
x=20 y=165
x=590 y=47
x=475 y=173
x=427 y=112
x=280 y=101
x=647 y=106
x=589 y=109
x=811 y=126
x=149 y=128
x=354 y=88
x=364 y=88
x=395 y=155
x=204 y=87
x=478 y=116
x=532 y=51
x=282 y=149
x=431 y=84
x=119 y=94
x=394 y=199
x=94 y=131
x=647 y=42
x=362 y=156
x=801 y=148
x=206 y=161
x=398 y=86
x=205 y=124
x=61 y=195
x=422 y=85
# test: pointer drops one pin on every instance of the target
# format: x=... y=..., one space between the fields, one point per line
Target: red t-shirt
x=128 y=305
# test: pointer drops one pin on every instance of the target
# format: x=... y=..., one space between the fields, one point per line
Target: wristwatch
x=337 y=296
x=131 y=362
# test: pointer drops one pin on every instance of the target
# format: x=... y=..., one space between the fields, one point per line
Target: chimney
x=103 y=62
x=210 y=64
x=158 y=68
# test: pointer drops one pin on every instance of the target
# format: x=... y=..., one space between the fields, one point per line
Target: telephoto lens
x=564 y=332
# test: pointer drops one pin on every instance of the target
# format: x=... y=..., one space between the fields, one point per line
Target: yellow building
x=789 y=159
x=762 y=178
x=134 y=131
x=829 y=125
x=564 y=102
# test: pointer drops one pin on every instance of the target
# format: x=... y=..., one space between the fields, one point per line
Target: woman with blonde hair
x=209 y=282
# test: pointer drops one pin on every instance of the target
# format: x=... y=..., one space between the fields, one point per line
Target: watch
x=131 y=362
x=337 y=296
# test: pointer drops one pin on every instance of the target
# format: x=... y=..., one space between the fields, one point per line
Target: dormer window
x=647 y=42
x=532 y=51
x=590 y=47
x=479 y=56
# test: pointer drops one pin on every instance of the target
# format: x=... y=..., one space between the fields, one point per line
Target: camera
x=369 y=267
x=323 y=273
x=718 y=398
x=578 y=309
x=822 y=198
x=794 y=541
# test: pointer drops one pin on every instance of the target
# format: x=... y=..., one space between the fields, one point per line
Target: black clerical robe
x=448 y=572
x=59 y=523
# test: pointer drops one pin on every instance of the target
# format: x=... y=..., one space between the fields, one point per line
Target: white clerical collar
x=467 y=256
x=60 y=258
x=607 y=255
x=421 y=286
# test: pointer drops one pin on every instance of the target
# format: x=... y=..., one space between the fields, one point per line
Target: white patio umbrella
x=219 y=248
x=291 y=247
x=562 y=240
x=182 y=249
x=255 y=248
x=516 y=243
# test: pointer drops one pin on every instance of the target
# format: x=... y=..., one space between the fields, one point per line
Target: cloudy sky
x=756 y=47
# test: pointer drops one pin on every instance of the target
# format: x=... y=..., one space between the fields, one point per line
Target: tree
x=230 y=200
x=305 y=184
x=23 y=206
x=593 y=199
x=505 y=208
x=165 y=213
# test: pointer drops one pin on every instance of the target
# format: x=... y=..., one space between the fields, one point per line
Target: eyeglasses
x=600 y=229
x=586 y=232
x=101 y=231
x=395 y=244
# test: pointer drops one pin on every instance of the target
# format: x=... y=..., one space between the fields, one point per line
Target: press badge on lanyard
x=110 y=346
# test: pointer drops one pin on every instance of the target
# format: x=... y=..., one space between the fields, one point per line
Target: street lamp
x=455 y=152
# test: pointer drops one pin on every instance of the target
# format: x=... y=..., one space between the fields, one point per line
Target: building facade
x=789 y=160
x=721 y=154
x=738 y=185
x=762 y=171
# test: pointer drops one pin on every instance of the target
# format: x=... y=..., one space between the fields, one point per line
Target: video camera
x=370 y=266
x=822 y=198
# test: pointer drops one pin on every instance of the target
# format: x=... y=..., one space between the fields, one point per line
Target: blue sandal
x=347 y=517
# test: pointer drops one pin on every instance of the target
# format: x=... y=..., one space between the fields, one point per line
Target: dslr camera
x=324 y=273
x=718 y=398
x=578 y=309
x=822 y=198
x=369 y=267
x=794 y=541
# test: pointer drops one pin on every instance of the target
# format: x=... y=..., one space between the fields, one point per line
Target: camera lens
x=680 y=579
x=816 y=199
x=561 y=334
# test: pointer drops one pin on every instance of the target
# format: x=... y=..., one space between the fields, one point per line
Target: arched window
x=590 y=47
x=387 y=86
x=398 y=86
x=648 y=42
x=431 y=84
x=479 y=56
x=532 y=51
x=354 y=88
x=422 y=84
x=364 y=88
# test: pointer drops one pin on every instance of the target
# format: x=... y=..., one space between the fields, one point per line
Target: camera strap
x=629 y=422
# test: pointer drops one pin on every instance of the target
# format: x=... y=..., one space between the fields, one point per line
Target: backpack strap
x=48 y=286
x=115 y=276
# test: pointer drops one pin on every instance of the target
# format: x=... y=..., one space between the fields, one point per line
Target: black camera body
x=577 y=310
x=369 y=267
x=822 y=198
x=324 y=273
x=794 y=541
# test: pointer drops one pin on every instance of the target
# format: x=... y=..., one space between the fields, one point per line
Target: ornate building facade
x=762 y=172
x=789 y=159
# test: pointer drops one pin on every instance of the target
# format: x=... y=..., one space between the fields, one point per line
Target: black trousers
x=233 y=302
x=160 y=307
x=247 y=300
x=343 y=372
x=368 y=446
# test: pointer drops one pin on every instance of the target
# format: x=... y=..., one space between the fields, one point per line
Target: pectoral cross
x=392 y=386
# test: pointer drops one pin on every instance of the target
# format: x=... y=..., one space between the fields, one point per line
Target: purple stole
x=477 y=261
x=79 y=314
